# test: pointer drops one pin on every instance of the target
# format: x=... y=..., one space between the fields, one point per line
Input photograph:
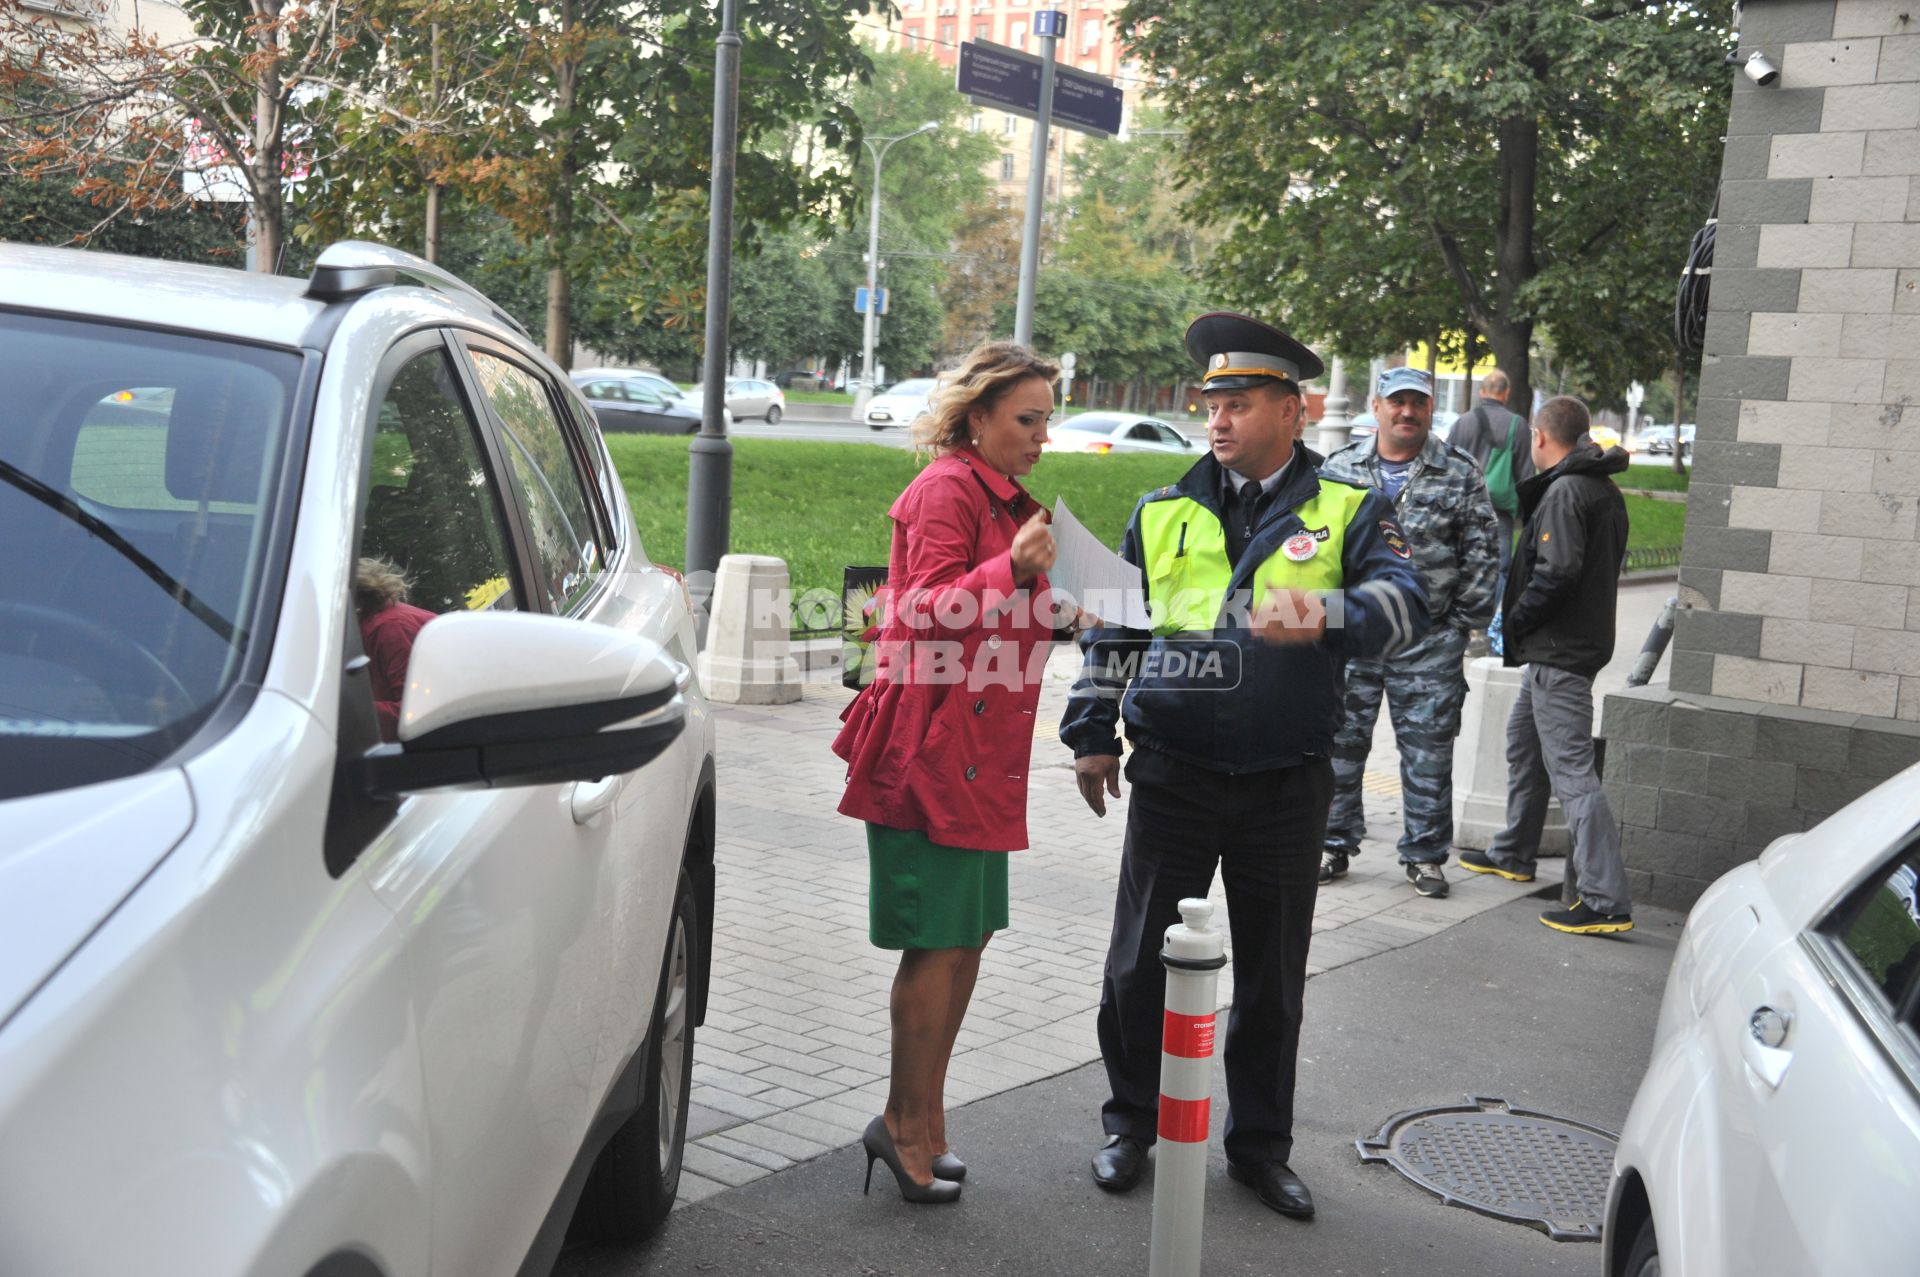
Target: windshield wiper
x=65 y=505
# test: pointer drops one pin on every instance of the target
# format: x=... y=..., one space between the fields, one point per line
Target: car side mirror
x=512 y=698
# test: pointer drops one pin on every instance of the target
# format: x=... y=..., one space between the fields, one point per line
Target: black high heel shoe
x=947 y=1166
x=878 y=1141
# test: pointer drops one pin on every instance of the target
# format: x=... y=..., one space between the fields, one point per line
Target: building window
x=1089 y=35
x=983 y=30
x=946 y=33
x=1008 y=130
x=1006 y=168
x=973 y=125
x=1017 y=35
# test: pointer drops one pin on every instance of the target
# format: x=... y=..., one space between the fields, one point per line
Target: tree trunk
x=1513 y=252
x=264 y=168
x=560 y=206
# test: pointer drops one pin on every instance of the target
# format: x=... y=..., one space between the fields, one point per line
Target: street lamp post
x=869 y=329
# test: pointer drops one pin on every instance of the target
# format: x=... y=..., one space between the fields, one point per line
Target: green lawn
x=823 y=506
x=1655 y=478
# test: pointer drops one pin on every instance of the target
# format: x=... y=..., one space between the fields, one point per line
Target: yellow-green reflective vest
x=1184 y=549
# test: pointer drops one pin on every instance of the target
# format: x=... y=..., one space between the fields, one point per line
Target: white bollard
x=1480 y=762
x=1193 y=957
x=748 y=659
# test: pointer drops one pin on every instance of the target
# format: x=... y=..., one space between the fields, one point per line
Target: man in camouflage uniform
x=1441 y=499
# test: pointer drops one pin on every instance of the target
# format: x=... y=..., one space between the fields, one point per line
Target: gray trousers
x=1550 y=744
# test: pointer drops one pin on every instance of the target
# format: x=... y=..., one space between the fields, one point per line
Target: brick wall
x=1801 y=564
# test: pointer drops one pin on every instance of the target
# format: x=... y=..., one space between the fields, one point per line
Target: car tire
x=637 y=1174
x=1643 y=1257
x=773 y=415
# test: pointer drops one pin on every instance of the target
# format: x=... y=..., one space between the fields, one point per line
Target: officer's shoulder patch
x=1395 y=539
x=1158 y=493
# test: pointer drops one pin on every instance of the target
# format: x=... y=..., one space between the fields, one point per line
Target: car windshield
x=920 y=387
x=136 y=477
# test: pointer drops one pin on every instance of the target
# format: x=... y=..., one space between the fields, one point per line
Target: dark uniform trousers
x=1265 y=831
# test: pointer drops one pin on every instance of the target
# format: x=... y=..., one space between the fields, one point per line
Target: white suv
x=356 y=802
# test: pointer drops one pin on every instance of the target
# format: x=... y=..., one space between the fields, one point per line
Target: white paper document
x=1099 y=580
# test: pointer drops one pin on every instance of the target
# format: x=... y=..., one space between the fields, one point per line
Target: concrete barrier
x=1480 y=762
x=748 y=659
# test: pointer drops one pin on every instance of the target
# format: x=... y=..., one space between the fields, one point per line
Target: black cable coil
x=1690 y=307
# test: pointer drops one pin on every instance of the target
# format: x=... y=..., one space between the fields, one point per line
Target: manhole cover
x=1547 y=1172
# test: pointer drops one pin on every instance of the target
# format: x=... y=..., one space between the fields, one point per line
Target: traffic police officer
x=1231 y=703
x=1440 y=497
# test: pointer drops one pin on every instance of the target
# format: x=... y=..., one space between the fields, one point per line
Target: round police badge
x=1300 y=547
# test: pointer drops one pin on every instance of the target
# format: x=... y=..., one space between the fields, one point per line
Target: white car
x=1777 y=1129
x=900 y=405
x=658 y=385
x=339 y=934
x=1110 y=432
x=750 y=397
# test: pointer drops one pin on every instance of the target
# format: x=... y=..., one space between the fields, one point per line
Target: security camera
x=1759 y=70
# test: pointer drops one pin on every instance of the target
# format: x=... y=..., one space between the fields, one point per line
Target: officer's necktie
x=1249 y=503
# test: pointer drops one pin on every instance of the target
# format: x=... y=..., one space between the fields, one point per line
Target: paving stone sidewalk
x=791 y=1063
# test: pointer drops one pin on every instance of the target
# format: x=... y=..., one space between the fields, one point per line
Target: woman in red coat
x=937 y=745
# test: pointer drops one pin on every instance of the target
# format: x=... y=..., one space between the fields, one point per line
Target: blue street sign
x=994 y=75
x=1050 y=22
x=860 y=301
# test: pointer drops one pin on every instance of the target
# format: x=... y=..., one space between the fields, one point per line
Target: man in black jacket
x=1559 y=605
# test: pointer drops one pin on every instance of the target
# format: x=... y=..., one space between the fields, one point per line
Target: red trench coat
x=939 y=741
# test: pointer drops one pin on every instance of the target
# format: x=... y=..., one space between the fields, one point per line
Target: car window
x=433 y=537
x=1099 y=423
x=919 y=387
x=1167 y=434
x=137 y=482
x=1143 y=431
x=643 y=396
x=613 y=391
x=595 y=447
x=1880 y=930
x=547 y=480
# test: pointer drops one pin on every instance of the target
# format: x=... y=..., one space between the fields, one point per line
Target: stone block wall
x=1794 y=683
x=1701 y=783
x=1801 y=558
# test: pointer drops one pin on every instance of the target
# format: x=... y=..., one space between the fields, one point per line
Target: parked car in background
x=751 y=397
x=1604 y=435
x=1105 y=432
x=1659 y=440
x=625 y=402
x=900 y=404
x=801 y=379
x=335 y=938
x=653 y=381
x=1777 y=1130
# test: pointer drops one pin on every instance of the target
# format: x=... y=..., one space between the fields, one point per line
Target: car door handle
x=1763 y=1046
x=591 y=797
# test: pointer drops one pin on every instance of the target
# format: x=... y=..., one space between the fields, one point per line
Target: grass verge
x=823 y=506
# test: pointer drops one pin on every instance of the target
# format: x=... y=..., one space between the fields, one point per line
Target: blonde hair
x=378 y=585
x=981 y=381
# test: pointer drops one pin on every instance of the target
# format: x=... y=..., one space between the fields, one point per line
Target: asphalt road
x=1497 y=1006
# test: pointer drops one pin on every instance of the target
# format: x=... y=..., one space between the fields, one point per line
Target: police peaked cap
x=1238 y=351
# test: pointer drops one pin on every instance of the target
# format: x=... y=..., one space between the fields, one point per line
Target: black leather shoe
x=1120 y=1163
x=1277 y=1186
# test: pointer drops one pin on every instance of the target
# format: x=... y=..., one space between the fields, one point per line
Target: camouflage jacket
x=1448 y=516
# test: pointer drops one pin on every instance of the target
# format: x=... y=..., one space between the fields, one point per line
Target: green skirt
x=924 y=896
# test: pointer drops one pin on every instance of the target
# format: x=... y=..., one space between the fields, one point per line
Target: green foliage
x=1389 y=168
x=46 y=211
x=793 y=299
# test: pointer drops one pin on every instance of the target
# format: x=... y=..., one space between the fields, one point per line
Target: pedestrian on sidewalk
x=937 y=745
x=1440 y=498
x=1498 y=441
x=1230 y=758
x=1560 y=616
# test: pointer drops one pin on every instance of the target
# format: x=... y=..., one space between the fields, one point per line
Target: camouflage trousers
x=1424 y=690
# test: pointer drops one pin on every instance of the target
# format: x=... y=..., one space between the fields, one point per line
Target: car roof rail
x=353 y=266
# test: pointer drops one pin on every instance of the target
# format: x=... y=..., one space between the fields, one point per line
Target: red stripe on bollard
x=1185 y=1121
x=1188 y=1036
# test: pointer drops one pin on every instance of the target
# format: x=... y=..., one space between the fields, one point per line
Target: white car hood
x=69 y=858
